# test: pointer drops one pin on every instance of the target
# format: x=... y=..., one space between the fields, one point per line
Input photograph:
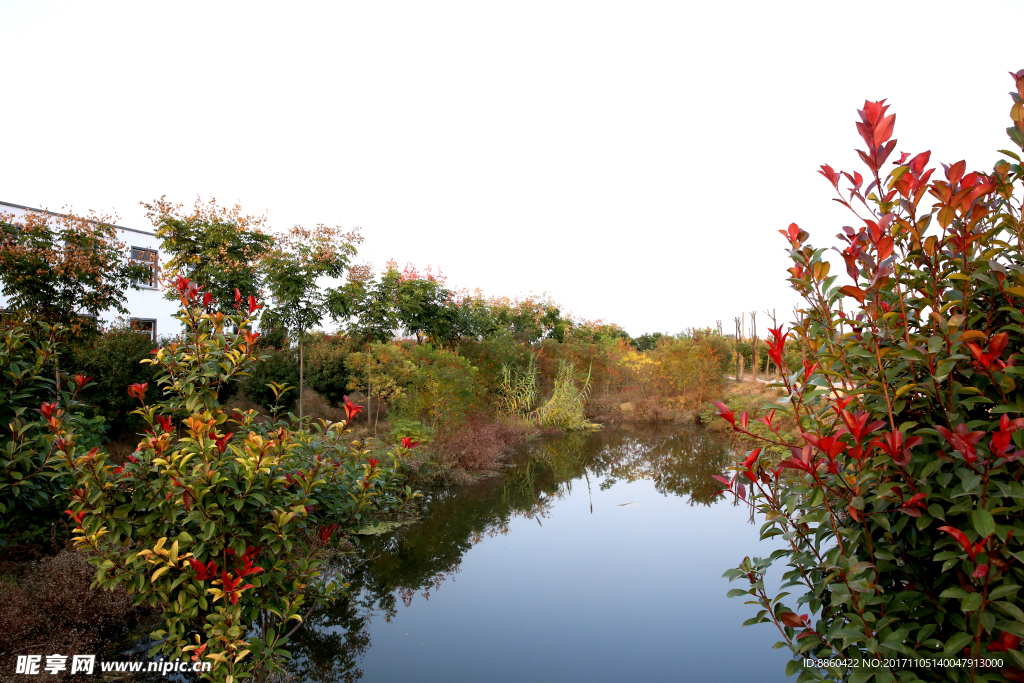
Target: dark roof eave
x=61 y=215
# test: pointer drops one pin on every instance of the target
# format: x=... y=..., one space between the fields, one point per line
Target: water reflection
x=418 y=560
x=680 y=464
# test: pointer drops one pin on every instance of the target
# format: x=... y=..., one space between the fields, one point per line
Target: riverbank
x=758 y=400
x=479 y=445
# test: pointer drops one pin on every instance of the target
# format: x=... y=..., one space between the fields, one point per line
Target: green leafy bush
x=114 y=361
x=901 y=508
x=383 y=371
x=326 y=372
x=444 y=388
x=32 y=496
x=410 y=429
x=490 y=354
x=693 y=365
x=279 y=363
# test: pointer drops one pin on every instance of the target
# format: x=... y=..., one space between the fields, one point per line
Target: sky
x=634 y=160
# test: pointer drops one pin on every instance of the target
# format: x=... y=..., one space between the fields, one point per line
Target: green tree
x=59 y=268
x=647 y=341
x=220 y=249
x=27 y=359
x=475 y=316
x=383 y=370
x=374 y=307
x=493 y=353
x=294 y=269
x=422 y=305
x=531 y=319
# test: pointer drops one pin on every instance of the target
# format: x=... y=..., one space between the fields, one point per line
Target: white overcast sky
x=633 y=159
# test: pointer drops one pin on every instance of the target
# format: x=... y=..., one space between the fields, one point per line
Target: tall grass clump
x=517 y=388
x=565 y=408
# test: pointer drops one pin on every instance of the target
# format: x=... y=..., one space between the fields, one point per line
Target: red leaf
x=723 y=411
x=961 y=538
x=997 y=343
x=885 y=151
x=920 y=161
x=830 y=175
x=1013 y=674
x=885 y=248
x=854 y=291
x=884 y=128
x=975 y=351
x=956 y=172
x=767 y=421
x=751 y=458
x=867 y=160
x=351 y=410
x=138 y=390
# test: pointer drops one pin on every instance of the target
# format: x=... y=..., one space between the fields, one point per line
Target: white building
x=147 y=307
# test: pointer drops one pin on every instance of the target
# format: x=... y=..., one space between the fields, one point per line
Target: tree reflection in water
x=416 y=560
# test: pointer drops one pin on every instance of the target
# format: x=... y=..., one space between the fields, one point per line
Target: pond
x=594 y=557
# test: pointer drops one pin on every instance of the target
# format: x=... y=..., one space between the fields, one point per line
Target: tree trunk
x=778 y=368
x=737 y=346
x=753 y=345
x=300 y=377
x=376 y=417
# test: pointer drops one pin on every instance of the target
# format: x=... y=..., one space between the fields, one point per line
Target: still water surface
x=594 y=557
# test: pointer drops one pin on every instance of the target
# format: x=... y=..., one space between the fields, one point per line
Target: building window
x=146 y=326
x=150 y=258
